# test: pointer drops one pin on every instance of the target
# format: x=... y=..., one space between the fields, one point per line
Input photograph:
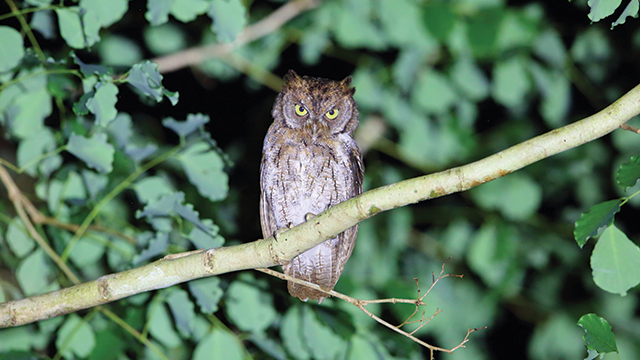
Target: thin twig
x=630 y=128
x=196 y=55
x=361 y=304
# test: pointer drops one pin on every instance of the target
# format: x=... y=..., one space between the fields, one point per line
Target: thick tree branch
x=265 y=253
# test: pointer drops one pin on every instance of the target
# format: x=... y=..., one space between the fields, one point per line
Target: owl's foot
x=281 y=230
x=309 y=216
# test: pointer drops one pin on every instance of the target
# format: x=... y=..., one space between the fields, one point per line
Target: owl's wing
x=267 y=222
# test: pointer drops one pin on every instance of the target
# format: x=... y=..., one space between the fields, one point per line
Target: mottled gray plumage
x=310 y=162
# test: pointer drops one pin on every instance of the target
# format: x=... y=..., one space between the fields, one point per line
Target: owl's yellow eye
x=332 y=114
x=300 y=110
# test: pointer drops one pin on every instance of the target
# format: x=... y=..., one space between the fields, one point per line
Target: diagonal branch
x=266 y=253
x=198 y=54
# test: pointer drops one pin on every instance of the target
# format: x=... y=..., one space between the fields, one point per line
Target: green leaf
x=89 y=69
x=597 y=334
x=482 y=31
x=630 y=10
x=599 y=216
x=408 y=33
x=33 y=148
x=207 y=293
x=600 y=9
x=33 y=273
x=103 y=103
x=249 y=307
x=516 y=196
x=11 y=48
x=31 y=110
x=70 y=26
x=628 y=174
x=615 y=262
x=291 y=333
x=556 y=94
x=88 y=250
x=157 y=246
x=107 y=12
x=146 y=78
x=194 y=122
x=205 y=234
x=439 y=19
x=152 y=188
x=492 y=254
x=183 y=311
x=549 y=46
x=158 y=11
x=161 y=326
x=323 y=343
x=165 y=39
x=433 y=92
x=470 y=79
x=19 y=241
x=15 y=339
x=510 y=82
x=75 y=336
x=118 y=50
x=229 y=18
x=94 y=182
x=42 y=21
x=219 y=345
x=188 y=10
x=95 y=151
x=205 y=170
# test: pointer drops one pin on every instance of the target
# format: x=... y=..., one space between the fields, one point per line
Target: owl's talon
x=308 y=216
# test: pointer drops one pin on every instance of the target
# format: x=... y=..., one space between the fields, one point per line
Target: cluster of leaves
x=429 y=71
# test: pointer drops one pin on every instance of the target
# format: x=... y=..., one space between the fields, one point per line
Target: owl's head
x=320 y=106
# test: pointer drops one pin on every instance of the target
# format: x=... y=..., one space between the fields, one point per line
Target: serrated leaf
x=183 y=311
x=188 y=10
x=229 y=18
x=157 y=246
x=95 y=151
x=33 y=273
x=600 y=9
x=630 y=10
x=193 y=123
x=629 y=173
x=103 y=103
x=152 y=188
x=11 y=48
x=206 y=238
x=596 y=218
x=161 y=326
x=249 y=307
x=597 y=334
x=204 y=169
x=615 y=262
x=146 y=78
x=88 y=70
x=19 y=241
x=75 y=336
x=207 y=292
x=218 y=345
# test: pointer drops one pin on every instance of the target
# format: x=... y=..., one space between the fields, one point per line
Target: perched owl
x=310 y=162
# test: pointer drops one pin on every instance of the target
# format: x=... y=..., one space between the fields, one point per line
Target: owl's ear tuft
x=291 y=76
x=346 y=82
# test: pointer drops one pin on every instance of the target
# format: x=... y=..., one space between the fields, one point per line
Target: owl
x=310 y=162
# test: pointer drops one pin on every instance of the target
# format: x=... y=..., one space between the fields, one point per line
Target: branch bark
x=266 y=253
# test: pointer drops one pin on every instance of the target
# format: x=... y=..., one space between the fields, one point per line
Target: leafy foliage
x=92 y=137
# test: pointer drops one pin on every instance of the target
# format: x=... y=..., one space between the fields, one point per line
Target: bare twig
x=361 y=304
x=630 y=128
x=197 y=55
